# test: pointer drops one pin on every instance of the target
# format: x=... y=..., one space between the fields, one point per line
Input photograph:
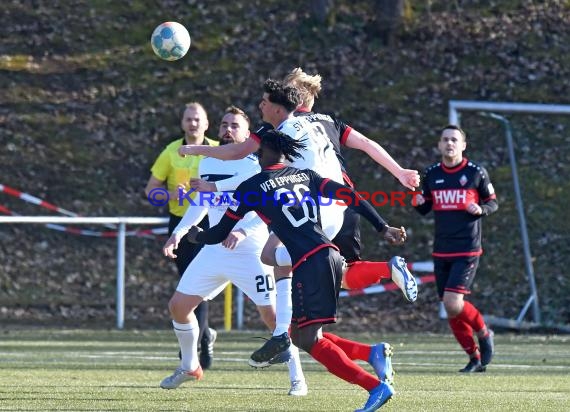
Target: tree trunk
x=322 y=11
x=389 y=15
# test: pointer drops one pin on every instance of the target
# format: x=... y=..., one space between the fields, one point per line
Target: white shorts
x=215 y=266
x=332 y=217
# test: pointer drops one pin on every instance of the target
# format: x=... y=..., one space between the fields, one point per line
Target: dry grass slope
x=86 y=107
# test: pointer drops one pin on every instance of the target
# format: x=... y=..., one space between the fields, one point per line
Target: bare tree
x=322 y=11
x=389 y=14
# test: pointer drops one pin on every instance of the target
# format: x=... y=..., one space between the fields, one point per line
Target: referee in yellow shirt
x=173 y=172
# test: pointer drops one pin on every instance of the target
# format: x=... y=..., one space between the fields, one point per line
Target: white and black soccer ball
x=170 y=41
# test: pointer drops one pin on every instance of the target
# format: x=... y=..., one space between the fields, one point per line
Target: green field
x=81 y=370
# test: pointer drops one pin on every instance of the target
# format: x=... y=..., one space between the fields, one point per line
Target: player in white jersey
x=237 y=257
x=277 y=107
x=319 y=155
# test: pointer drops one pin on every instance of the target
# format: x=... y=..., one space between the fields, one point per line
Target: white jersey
x=319 y=154
x=215 y=265
x=227 y=174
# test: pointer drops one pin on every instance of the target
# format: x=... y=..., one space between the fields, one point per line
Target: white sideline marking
x=305 y=359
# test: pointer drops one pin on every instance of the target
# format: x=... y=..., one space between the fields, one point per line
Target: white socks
x=294 y=365
x=284 y=306
x=187 y=334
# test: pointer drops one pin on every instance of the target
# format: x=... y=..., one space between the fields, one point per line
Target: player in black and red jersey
x=288 y=200
x=460 y=193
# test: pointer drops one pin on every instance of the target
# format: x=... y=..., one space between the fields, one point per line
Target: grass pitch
x=87 y=370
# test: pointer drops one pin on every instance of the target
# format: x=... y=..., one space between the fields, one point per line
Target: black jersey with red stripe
x=289 y=201
x=448 y=192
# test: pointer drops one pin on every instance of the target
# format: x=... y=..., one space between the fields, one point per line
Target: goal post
x=491 y=109
x=457 y=106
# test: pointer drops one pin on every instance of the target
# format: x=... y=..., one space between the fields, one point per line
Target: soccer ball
x=170 y=41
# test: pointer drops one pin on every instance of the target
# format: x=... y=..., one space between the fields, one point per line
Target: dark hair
x=286 y=96
x=279 y=142
x=454 y=127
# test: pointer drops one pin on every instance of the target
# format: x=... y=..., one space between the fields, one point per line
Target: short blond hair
x=308 y=86
x=197 y=106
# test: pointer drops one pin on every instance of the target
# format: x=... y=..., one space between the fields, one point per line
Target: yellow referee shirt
x=176 y=170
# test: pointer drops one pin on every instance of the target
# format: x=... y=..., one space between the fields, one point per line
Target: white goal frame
x=490 y=109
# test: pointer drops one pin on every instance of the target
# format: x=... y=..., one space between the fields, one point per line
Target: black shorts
x=455 y=274
x=315 y=288
x=348 y=238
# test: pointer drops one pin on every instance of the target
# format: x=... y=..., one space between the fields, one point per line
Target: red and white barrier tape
x=26 y=197
x=35 y=200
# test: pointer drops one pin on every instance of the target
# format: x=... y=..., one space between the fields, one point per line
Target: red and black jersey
x=448 y=192
x=289 y=201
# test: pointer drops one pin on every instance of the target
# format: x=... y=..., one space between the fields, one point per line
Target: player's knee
x=172 y=306
x=453 y=307
x=453 y=303
x=304 y=341
x=181 y=306
x=268 y=257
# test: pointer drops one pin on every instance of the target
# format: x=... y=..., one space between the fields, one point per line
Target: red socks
x=464 y=334
x=338 y=363
x=354 y=350
x=472 y=316
x=464 y=324
x=362 y=273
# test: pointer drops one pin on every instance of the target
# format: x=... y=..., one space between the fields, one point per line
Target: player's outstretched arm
x=407 y=177
x=225 y=152
x=334 y=190
x=395 y=235
x=216 y=234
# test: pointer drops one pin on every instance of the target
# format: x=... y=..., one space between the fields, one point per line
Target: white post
x=522 y=222
x=239 y=308
x=121 y=276
x=489 y=109
x=121 y=235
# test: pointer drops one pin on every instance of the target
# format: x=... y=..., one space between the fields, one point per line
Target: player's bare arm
x=407 y=177
x=234 y=239
x=170 y=245
x=215 y=234
x=225 y=152
x=201 y=185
